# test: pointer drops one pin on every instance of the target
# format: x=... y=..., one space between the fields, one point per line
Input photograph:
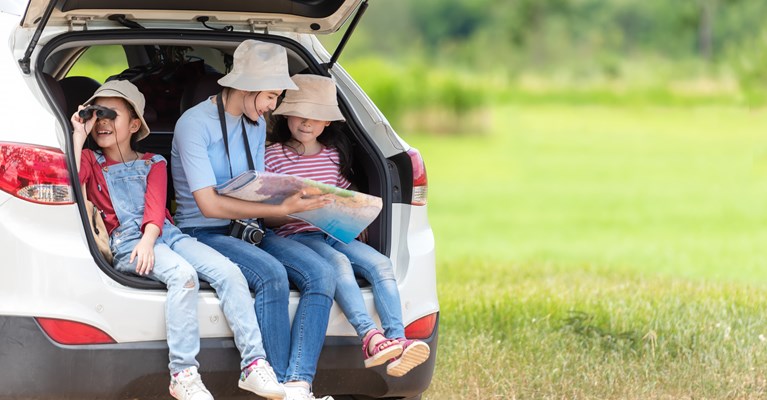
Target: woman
x=218 y=139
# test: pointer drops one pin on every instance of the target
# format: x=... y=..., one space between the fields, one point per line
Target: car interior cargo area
x=174 y=76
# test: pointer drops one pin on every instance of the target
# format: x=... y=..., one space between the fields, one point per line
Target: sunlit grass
x=672 y=191
x=601 y=252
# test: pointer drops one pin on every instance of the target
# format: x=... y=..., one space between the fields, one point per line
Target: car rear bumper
x=32 y=366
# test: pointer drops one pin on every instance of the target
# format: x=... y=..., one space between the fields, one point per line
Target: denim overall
x=179 y=259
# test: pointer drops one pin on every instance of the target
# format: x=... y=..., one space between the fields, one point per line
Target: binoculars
x=101 y=112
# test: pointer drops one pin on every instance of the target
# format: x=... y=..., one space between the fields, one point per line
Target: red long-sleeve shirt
x=98 y=193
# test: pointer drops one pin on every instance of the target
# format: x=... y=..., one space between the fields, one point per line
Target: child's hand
x=143 y=253
x=300 y=202
x=80 y=126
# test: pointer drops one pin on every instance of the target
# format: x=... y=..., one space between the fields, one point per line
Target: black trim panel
x=302 y=8
x=34 y=367
x=404 y=173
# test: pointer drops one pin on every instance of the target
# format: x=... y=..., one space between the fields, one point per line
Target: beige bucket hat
x=259 y=66
x=314 y=99
x=129 y=92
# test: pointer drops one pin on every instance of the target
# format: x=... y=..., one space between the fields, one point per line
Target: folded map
x=344 y=218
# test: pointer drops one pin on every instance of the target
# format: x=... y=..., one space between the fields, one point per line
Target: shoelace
x=264 y=373
x=192 y=385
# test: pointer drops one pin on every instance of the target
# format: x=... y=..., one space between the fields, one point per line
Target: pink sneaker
x=414 y=354
x=386 y=349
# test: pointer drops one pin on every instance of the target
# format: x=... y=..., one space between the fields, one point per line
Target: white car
x=70 y=325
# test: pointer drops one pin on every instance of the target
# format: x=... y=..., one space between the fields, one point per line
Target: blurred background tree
x=458 y=55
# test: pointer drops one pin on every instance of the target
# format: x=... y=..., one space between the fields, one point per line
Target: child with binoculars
x=130 y=189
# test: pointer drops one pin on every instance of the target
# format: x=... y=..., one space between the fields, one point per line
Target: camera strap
x=222 y=119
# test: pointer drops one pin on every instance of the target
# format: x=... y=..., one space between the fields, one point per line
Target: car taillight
x=73 y=333
x=35 y=173
x=422 y=328
x=420 y=183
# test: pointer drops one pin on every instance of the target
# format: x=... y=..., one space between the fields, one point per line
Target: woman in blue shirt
x=219 y=139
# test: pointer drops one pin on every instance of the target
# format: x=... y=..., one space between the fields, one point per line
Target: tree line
x=518 y=35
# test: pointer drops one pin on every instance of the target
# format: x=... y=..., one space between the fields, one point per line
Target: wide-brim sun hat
x=259 y=66
x=129 y=92
x=315 y=99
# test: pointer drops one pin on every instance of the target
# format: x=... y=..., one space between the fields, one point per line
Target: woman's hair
x=225 y=95
x=332 y=136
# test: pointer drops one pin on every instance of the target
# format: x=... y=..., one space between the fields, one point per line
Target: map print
x=344 y=218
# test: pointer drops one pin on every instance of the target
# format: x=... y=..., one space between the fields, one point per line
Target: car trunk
x=60 y=53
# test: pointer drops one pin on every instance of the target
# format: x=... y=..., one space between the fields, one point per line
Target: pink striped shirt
x=322 y=167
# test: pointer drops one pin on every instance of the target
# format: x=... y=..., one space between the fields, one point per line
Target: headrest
x=199 y=90
x=77 y=89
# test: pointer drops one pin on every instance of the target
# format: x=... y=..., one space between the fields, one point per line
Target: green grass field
x=600 y=252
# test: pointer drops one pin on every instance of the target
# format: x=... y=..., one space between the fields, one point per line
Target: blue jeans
x=179 y=260
x=363 y=260
x=293 y=352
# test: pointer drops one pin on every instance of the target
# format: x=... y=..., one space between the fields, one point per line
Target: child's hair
x=332 y=136
x=133 y=115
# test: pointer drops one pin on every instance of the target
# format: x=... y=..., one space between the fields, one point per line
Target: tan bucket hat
x=314 y=99
x=129 y=92
x=259 y=66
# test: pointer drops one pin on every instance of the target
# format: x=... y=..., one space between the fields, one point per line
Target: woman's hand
x=300 y=202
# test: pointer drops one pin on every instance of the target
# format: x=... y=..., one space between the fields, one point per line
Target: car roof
x=306 y=16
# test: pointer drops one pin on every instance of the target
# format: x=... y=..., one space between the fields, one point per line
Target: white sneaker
x=187 y=385
x=302 y=393
x=260 y=379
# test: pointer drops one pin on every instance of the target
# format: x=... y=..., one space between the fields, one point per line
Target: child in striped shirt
x=307 y=142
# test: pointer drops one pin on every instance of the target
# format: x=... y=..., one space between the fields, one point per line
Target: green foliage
x=100 y=63
x=558 y=30
x=751 y=66
x=401 y=89
x=577 y=43
x=459 y=20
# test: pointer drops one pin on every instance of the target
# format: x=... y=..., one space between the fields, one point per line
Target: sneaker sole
x=269 y=394
x=384 y=355
x=412 y=357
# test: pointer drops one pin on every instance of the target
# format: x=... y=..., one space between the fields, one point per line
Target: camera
x=249 y=231
x=101 y=112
